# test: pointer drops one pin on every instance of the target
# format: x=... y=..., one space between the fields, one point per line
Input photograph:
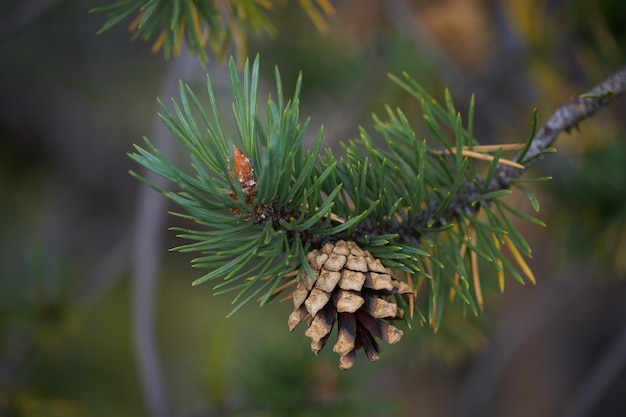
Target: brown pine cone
x=349 y=287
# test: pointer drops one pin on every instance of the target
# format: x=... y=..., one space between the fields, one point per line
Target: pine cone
x=350 y=286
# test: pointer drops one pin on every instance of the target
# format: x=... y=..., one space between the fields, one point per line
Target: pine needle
x=476 y=153
x=158 y=44
x=475 y=273
x=456 y=274
x=280 y=288
x=135 y=23
x=315 y=16
x=412 y=296
x=488 y=158
x=494 y=148
x=326 y=6
x=429 y=269
x=179 y=45
x=500 y=269
x=197 y=26
x=520 y=260
x=337 y=219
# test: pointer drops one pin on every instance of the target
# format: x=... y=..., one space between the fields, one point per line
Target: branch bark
x=569 y=115
x=565 y=118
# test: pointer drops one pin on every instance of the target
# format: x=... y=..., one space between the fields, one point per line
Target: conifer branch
x=346 y=228
x=198 y=25
x=566 y=117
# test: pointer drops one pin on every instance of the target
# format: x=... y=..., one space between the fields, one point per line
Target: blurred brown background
x=73 y=103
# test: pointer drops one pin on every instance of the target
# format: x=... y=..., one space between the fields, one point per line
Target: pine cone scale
x=380 y=329
x=381 y=309
x=328 y=280
x=378 y=281
x=351 y=280
x=370 y=347
x=316 y=301
x=322 y=323
x=347 y=301
x=346 y=333
x=356 y=263
x=348 y=360
x=296 y=317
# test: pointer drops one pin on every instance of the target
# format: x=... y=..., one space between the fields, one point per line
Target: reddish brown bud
x=245 y=176
x=243 y=168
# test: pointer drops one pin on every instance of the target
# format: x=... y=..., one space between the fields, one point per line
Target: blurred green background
x=72 y=103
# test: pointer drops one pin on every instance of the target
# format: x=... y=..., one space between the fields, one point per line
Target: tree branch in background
x=147 y=249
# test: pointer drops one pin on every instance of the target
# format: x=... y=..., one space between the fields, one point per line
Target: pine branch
x=347 y=228
x=566 y=117
x=202 y=24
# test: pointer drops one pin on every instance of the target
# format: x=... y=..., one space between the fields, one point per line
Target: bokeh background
x=72 y=219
